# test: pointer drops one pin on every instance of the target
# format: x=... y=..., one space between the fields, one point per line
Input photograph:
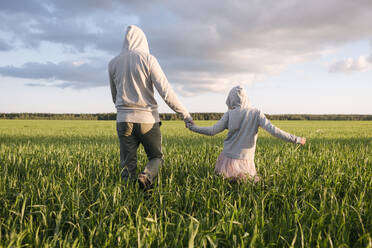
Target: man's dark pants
x=130 y=136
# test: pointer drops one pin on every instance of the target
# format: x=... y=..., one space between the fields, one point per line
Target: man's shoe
x=144 y=182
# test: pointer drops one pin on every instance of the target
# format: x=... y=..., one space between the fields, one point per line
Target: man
x=133 y=75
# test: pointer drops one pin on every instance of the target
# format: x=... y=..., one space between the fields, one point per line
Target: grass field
x=60 y=186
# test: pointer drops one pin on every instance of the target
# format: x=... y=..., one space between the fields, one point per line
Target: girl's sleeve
x=213 y=130
x=274 y=131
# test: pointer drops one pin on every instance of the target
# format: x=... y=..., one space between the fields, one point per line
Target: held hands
x=189 y=122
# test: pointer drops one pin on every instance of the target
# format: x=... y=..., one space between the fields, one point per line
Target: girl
x=236 y=161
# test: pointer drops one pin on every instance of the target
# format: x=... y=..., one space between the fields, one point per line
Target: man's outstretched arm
x=112 y=85
x=165 y=90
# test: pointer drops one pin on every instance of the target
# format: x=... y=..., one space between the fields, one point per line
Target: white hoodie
x=242 y=123
x=133 y=75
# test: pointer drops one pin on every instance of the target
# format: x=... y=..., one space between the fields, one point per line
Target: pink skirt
x=236 y=169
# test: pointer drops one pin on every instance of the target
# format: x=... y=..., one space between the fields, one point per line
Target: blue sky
x=290 y=56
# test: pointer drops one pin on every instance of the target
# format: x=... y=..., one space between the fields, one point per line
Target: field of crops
x=60 y=186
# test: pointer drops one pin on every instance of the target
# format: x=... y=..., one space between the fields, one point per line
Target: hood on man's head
x=135 y=39
x=237 y=98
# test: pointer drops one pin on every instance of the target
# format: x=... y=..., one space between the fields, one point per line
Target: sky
x=311 y=57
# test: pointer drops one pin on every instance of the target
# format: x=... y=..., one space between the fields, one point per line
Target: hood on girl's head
x=135 y=39
x=237 y=98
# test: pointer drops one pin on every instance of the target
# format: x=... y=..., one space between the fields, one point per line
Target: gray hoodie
x=133 y=75
x=242 y=121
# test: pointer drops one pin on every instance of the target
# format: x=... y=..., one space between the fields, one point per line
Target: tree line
x=172 y=116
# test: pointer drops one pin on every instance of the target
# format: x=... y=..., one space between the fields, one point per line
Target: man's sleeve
x=112 y=84
x=165 y=90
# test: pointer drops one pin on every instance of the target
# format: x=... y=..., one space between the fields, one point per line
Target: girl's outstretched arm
x=213 y=130
x=273 y=130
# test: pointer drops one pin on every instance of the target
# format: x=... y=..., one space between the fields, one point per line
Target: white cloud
x=201 y=45
x=75 y=74
x=369 y=58
x=348 y=65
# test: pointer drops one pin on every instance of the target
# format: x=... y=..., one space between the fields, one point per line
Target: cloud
x=5 y=46
x=362 y=63
x=369 y=58
x=34 y=7
x=35 y=85
x=201 y=45
x=75 y=74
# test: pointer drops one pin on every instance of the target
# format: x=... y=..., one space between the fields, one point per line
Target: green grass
x=60 y=186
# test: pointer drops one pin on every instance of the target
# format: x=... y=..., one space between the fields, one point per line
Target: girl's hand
x=189 y=124
x=303 y=140
x=188 y=120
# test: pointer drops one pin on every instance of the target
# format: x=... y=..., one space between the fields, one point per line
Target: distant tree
x=172 y=116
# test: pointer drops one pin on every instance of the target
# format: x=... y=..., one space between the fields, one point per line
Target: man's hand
x=303 y=141
x=188 y=121
x=189 y=124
